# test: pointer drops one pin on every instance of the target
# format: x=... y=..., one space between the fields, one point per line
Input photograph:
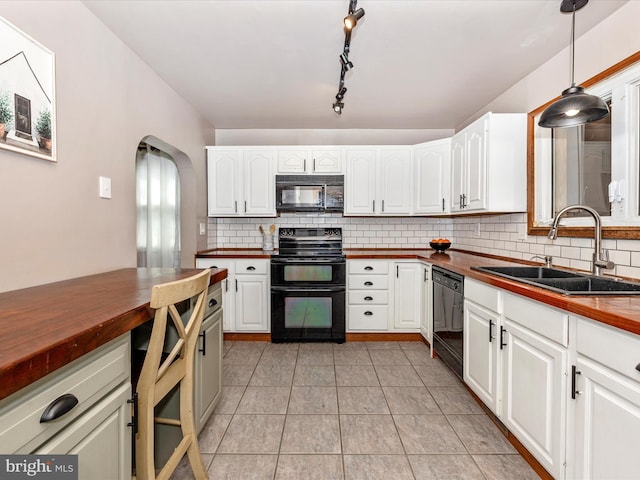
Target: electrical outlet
x=478 y=229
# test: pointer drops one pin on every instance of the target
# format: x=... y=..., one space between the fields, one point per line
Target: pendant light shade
x=575 y=107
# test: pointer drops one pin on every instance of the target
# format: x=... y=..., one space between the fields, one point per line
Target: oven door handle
x=307 y=261
x=308 y=289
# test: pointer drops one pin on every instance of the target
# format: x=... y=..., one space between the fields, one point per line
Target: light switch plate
x=105 y=187
x=203 y=229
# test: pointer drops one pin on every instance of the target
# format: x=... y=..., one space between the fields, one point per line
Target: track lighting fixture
x=350 y=22
x=575 y=107
x=344 y=60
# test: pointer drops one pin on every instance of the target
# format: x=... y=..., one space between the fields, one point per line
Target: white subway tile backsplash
x=499 y=235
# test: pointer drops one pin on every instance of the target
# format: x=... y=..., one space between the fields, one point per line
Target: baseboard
x=385 y=337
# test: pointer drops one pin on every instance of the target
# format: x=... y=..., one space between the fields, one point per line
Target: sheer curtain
x=158 y=206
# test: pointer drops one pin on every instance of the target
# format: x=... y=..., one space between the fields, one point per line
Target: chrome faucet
x=600 y=258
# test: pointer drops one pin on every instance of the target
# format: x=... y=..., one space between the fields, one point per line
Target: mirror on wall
x=595 y=164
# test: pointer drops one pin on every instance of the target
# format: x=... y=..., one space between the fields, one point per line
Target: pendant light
x=575 y=107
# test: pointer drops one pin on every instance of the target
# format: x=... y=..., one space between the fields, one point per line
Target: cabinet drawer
x=482 y=294
x=371 y=297
x=610 y=346
x=540 y=318
x=252 y=267
x=364 y=317
x=368 y=282
x=369 y=267
x=214 y=299
x=89 y=379
x=215 y=263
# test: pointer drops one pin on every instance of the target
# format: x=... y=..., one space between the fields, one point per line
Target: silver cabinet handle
x=374 y=206
x=314 y=164
x=382 y=206
x=574 y=373
x=245 y=206
x=235 y=206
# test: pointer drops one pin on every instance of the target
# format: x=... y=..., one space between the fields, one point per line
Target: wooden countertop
x=616 y=310
x=46 y=327
x=619 y=311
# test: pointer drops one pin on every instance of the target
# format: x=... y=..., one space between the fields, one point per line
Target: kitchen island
x=46 y=327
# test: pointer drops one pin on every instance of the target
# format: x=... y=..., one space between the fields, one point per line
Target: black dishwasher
x=448 y=318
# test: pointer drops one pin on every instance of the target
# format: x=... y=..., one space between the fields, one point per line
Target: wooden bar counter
x=46 y=327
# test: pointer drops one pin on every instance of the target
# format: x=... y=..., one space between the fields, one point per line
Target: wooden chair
x=159 y=376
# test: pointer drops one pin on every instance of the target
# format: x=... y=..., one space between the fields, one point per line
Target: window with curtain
x=158 y=208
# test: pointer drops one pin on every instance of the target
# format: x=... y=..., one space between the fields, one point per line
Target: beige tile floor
x=378 y=410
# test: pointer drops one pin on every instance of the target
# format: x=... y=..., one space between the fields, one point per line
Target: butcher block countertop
x=619 y=311
x=46 y=327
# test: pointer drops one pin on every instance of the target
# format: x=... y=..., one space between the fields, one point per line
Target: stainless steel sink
x=563 y=281
x=528 y=272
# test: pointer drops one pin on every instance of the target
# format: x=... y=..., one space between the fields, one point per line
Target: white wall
x=53 y=225
x=246 y=137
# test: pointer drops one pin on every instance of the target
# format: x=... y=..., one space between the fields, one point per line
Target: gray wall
x=53 y=225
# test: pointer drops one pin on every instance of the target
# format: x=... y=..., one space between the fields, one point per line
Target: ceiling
x=418 y=64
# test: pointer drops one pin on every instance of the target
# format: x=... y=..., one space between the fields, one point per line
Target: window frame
x=621 y=224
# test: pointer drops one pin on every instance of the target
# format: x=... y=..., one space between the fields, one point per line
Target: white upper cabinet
x=432 y=173
x=360 y=182
x=488 y=165
x=378 y=181
x=240 y=182
x=310 y=160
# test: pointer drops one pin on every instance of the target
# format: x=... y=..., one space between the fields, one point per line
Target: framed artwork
x=27 y=94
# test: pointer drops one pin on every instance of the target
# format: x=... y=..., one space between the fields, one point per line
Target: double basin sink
x=563 y=281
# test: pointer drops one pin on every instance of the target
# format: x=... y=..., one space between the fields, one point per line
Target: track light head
x=341 y=93
x=351 y=20
x=337 y=107
x=344 y=60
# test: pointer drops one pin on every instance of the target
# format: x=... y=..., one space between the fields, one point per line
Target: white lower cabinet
x=407 y=292
x=96 y=428
x=367 y=295
x=603 y=442
x=426 y=316
x=516 y=360
x=481 y=370
x=245 y=293
x=384 y=295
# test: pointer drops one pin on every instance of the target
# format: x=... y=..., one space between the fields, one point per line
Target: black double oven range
x=308 y=286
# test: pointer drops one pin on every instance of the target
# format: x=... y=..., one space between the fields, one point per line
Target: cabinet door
x=224 y=186
x=259 y=184
x=360 y=183
x=395 y=182
x=407 y=296
x=607 y=424
x=208 y=369
x=252 y=312
x=292 y=161
x=535 y=395
x=481 y=346
x=432 y=172
x=101 y=438
x=326 y=161
x=458 y=175
x=476 y=145
x=427 y=304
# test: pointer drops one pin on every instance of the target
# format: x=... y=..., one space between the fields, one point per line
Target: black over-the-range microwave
x=309 y=193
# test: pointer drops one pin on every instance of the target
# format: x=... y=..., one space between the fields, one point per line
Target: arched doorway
x=158 y=208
